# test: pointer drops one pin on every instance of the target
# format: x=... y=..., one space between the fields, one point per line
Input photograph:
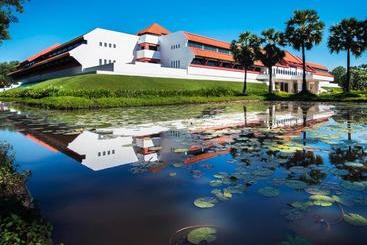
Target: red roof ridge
x=219 y=43
x=155 y=29
x=42 y=52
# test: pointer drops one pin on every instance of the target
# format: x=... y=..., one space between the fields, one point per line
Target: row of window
x=105 y=61
x=287 y=72
x=107 y=45
x=175 y=63
x=176 y=46
x=208 y=47
x=104 y=153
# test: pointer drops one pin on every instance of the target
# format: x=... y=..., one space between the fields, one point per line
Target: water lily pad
x=216 y=183
x=263 y=172
x=354 y=164
x=294 y=240
x=313 y=190
x=354 y=186
x=269 y=192
x=301 y=205
x=202 y=234
x=205 y=202
x=355 y=219
x=296 y=184
x=322 y=203
x=322 y=198
x=298 y=170
x=222 y=195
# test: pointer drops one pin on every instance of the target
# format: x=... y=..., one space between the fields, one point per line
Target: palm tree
x=244 y=53
x=347 y=36
x=271 y=53
x=303 y=31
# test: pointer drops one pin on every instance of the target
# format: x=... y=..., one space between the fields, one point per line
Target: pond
x=253 y=173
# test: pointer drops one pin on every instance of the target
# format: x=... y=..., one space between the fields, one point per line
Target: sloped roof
x=290 y=58
x=317 y=66
x=42 y=52
x=212 y=54
x=154 y=29
x=207 y=40
x=216 y=55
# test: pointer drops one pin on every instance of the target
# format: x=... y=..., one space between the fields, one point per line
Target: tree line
x=303 y=31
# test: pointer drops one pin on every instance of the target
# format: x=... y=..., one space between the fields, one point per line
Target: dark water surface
x=272 y=172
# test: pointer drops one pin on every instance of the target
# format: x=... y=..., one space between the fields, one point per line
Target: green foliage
x=339 y=75
x=271 y=53
x=5 y=68
x=359 y=78
x=304 y=29
x=244 y=52
x=7 y=17
x=20 y=222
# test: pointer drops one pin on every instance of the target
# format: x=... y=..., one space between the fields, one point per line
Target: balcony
x=148 y=39
x=148 y=54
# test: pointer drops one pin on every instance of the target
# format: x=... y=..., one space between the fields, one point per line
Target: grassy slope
x=92 y=81
x=133 y=83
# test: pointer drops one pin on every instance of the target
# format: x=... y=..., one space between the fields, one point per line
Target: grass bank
x=106 y=91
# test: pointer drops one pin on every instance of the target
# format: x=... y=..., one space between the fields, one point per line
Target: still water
x=253 y=173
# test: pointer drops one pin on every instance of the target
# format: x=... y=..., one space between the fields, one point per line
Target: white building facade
x=156 y=52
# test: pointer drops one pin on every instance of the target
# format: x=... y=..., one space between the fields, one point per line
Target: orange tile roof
x=154 y=29
x=317 y=66
x=45 y=51
x=212 y=54
x=290 y=58
x=216 y=55
x=323 y=73
x=207 y=40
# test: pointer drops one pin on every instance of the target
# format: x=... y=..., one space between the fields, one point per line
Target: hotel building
x=157 y=52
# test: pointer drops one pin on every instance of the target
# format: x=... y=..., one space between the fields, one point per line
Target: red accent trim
x=223 y=68
x=205 y=156
x=147 y=43
x=148 y=60
x=206 y=40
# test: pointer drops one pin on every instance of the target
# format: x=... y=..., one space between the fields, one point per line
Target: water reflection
x=220 y=162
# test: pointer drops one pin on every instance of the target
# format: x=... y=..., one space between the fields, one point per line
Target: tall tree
x=244 y=53
x=271 y=53
x=5 y=68
x=7 y=9
x=339 y=75
x=303 y=31
x=347 y=36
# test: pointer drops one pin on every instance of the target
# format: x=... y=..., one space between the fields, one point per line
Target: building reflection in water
x=111 y=147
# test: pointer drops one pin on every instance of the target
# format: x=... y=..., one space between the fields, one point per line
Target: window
x=110 y=45
x=109 y=62
x=114 y=61
x=104 y=153
x=105 y=61
x=100 y=62
x=105 y=44
x=113 y=151
x=114 y=46
x=99 y=154
x=100 y=44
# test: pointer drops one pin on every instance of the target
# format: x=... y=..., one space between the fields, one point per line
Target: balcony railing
x=150 y=54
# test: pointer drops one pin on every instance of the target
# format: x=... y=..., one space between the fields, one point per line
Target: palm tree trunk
x=304 y=85
x=244 y=91
x=245 y=114
x=347 y=83
x=270 y=80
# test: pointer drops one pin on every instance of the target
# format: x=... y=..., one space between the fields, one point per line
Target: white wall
x=183 y=54
x=89 y=54
x=156 y=70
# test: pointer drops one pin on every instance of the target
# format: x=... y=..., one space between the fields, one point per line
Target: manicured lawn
x=103 y=91
x=116 y=82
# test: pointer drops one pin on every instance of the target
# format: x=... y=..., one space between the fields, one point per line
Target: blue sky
x=47 y=22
